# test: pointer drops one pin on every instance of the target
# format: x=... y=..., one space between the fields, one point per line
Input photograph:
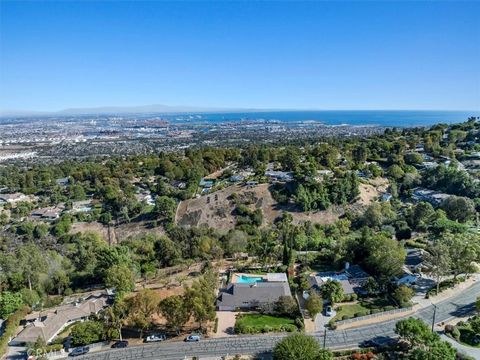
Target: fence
x=372 y=316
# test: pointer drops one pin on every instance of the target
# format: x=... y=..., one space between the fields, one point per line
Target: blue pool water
x=249 y=279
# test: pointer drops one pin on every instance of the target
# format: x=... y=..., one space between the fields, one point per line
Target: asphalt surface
x=457 y=306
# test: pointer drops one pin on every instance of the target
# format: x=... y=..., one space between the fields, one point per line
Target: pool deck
x=236 y=276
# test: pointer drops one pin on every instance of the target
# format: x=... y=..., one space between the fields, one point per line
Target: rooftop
x=47 y=324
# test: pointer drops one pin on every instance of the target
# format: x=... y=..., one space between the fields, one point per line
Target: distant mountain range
x=155 y=108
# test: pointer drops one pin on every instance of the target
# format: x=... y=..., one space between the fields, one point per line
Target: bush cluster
x=350 y=297
x=12 y=322
x=246 y=329
x=444 y=285
x=366 y=312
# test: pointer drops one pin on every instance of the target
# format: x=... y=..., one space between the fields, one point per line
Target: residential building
x=236 y=178
x=179 y=184
x=49 y=323
x=414 y=259
x=250 y=291
x=386 y=197
x=206 y=184
x=279 y=175
x=13 y=198
x=351 y=278
x=81 y=206
x=433 y=197
x=47 y=214
x=62 y=181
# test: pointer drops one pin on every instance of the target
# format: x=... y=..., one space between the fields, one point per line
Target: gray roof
x=414 y=257
x=316 y=283
x=53 y=320
x=356 y=272
x=239 y=295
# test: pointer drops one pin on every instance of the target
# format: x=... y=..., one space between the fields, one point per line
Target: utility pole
x=324 y=337
x=434 y=314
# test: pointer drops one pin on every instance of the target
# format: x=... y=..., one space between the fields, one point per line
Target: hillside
x=216 y=210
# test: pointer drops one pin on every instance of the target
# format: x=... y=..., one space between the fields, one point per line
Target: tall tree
x=332 y=291
x=115 y=316
x=438 y=261
x=314 y=305
x=121 y=278
x=200 y=298
x=141 y=308
x=31 y=263
x=174 y=309
x=300 y=346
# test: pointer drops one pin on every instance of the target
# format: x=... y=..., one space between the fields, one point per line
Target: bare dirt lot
x=116 y=234
x=217 y=209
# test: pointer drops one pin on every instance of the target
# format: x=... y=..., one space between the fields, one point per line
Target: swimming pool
x=249 y=279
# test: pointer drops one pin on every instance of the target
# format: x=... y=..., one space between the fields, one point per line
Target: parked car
x=328 y=311
x=156 y=338
x=120 y=344
x=82 y=350
x=190 y=338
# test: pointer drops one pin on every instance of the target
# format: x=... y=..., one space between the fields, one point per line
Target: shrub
x=300 y=346
x=361 y=313
x=388 y=308
x=267 y=329
x=289 y=328
x=239 y=328
x=12 y=323
x=249 y=330
x=299 y=323
x=88 y=332
x=449 y=329
x=216 y=324
x=456 y=333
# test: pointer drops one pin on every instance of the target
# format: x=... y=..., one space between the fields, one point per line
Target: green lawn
x=349 y=310
x=259 y=321
x=376 y=303
x=363 y=307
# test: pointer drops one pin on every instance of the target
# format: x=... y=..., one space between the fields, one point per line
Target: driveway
x=226 y=323
x=321 y=321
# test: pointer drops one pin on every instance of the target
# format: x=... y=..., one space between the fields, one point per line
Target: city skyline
x=288 y=56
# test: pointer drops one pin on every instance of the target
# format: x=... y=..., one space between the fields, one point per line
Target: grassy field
x=349 y=310
x=259 y=321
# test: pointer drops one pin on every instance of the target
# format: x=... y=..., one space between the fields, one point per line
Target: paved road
x=457 y=306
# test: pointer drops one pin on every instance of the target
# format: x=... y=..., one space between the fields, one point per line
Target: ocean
x=391 y=118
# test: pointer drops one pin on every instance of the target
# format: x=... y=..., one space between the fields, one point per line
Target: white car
x=190 y=338
x=155 y=338
x=328 y=311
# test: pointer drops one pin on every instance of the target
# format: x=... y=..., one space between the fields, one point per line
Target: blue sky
x=312 y=55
